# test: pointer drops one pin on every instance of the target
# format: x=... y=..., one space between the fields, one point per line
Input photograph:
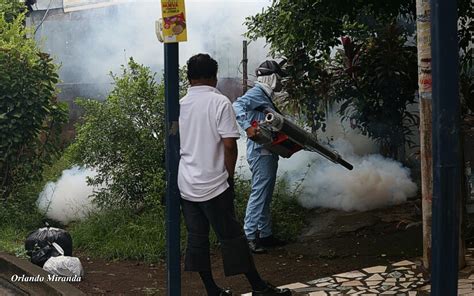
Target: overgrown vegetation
x=374 y=82
x=123 y=140
x=30 y=124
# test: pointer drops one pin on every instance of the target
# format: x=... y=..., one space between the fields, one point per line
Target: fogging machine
x=280 y=135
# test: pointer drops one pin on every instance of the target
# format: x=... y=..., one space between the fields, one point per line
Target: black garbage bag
x=38 y=244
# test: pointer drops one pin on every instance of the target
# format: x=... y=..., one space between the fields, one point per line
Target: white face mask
x=272 y=81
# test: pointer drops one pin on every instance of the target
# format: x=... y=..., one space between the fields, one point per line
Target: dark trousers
x=219 y=212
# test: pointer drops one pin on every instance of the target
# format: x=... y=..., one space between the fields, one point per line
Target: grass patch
x=122 y=234
x=12 y=240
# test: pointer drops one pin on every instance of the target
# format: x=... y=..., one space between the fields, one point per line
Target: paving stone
x=323 y=284
x=425 y=288
x=352 y=291
x=401 y=268
x=319 y=293
x=372 y=283
x=388 y=293
x=351 y=274
x=308 y=289
x=325 y=279
x=403 y=263
x=294 y=286
x=406 y=285
x=412 y=293
x=375 y=277
x=375 y=269
x=391 y=280
x=395 y=274
x=390 y=284
x=464 y=281
x=341 y=280
x=351 y=284
x=465 y=286
x=464 y=291
x=395 y=288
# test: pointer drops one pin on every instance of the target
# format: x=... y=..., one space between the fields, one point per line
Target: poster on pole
x=173 y=21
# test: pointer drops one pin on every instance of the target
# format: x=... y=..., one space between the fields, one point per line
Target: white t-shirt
x=206 y=117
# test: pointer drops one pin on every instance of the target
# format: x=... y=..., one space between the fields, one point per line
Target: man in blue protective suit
x=263 y=164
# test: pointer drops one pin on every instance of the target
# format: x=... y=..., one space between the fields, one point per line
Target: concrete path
x=399 y=279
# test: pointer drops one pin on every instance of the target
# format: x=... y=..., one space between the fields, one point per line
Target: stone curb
x=11 y=265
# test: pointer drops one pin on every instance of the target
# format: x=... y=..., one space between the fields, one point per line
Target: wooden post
x=244 y=67
x=423 y=28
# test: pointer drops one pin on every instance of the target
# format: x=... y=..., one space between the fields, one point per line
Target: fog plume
x=68 y=199
x=374 y=182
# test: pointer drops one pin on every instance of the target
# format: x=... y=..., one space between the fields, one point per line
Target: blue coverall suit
x=263 y=164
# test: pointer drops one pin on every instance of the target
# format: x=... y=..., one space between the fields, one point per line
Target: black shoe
x=272 y=291
x=255 y=247
x=271 y=242
x=225 y=292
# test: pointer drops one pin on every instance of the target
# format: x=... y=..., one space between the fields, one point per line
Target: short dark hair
x=201 y=66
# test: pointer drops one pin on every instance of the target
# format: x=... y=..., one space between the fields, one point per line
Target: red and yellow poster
x=174 y=21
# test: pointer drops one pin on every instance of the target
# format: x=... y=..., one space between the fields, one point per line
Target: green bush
x=30 y=117
x=123 y=140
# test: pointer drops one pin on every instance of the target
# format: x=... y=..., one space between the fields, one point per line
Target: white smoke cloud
x=91 y=43
x=68 y=199
x=374 y=182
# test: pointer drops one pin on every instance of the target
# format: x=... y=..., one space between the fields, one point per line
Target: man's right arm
x=248 y=102
x=230 y=155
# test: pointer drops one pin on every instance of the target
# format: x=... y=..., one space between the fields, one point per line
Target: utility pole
x=244 y=67
x=446 y=148
x=423 y=33
x=171 y=30
x=172 y=159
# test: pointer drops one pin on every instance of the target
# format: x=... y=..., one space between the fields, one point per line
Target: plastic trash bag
x=63 y=265
x=38 y=244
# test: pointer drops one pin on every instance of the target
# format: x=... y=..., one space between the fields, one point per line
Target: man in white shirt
x=208 y=133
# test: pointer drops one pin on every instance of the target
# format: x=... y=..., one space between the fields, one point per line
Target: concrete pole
x=423 y=28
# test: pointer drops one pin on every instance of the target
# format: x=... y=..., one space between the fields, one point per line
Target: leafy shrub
x=30 y=117
x=375 y=81
x=123 y=140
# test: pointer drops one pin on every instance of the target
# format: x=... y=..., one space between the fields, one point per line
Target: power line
x=44 y=17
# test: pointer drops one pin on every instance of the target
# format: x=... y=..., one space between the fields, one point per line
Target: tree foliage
x=375 y=81
x=123 y=140
x=30 y=116
x=306 y=34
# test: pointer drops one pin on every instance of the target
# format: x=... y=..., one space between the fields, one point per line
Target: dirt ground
x=333 y=242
